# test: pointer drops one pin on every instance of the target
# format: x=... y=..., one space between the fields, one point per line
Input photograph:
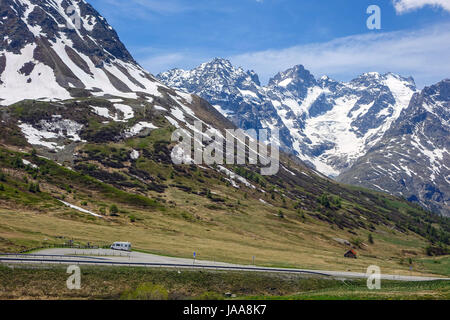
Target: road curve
x=106 y=257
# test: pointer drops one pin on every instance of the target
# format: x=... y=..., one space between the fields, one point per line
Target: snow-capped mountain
x=235 y=93
x=377 y=130
x=65 y=89
x=413 y=157
x=59 y=51
x=56 y=49
x=328 y=123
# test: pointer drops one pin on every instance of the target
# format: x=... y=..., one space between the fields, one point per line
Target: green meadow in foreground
x=161 y=284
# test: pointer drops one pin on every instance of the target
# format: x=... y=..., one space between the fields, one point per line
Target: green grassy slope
x=289 y=219
x=141 y=283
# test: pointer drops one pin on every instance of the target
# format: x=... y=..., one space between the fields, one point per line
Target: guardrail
x=51 y=255
x=100 y=262
x=65 y=246
x=161 y=265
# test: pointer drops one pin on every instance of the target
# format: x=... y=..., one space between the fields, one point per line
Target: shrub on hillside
x=113 y=209
x=371 y=239
x=439 y=250
x=34 y=187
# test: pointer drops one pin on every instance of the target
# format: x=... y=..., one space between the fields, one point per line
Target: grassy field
x=438 y=265
x=140 y=283
x=228 y=235
x=227 y=238
x=292 y=219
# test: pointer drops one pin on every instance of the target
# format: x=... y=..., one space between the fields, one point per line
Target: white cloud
x=402 y=6
x=156 y=63
x=164 y=61
x=424 y=54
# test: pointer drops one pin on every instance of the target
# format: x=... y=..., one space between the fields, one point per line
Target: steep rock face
x=65 y=90
x=327 y=123
x=80 y=83
x=56 y=49
x=413 y=158
x=236 y=93
x=377 y=130
x=347 y=119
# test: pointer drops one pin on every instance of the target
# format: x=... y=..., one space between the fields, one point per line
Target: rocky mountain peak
x=219 y=62
x=217 y=75
x=413 y=154
x=440 y=91
x=59 y=19
x=327 y=82
x=295 y=76
x=376 y=79
x=57 y=49
x=222 y=69
x=325 y=122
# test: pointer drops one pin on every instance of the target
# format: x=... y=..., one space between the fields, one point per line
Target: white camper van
x=123 y=246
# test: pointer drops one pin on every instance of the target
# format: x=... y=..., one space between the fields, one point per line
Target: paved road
x=117 y=258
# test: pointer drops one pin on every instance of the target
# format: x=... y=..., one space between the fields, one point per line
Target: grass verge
x=25 y=282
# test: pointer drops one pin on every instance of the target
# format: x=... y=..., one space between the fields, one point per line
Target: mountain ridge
x=328 y=124
x=417 y=143
x=44 y=52
x=293 y=99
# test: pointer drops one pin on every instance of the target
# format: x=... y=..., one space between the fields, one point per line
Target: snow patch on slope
x=80 y=209
x=138 y=128
x=52 y=130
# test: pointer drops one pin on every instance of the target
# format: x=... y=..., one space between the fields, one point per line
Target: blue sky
x=327 y=36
